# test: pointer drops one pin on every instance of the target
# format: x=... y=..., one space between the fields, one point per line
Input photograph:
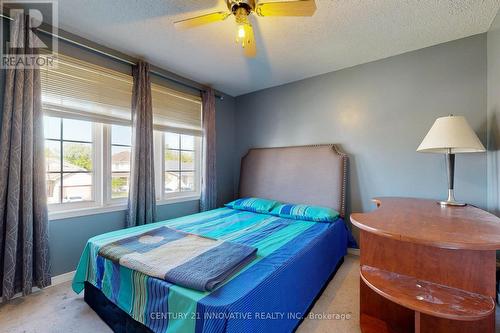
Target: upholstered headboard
x=314 y=175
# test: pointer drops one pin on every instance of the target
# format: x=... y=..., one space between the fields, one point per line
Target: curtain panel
x=142 y=198
x=208 y=198
x=24 y=249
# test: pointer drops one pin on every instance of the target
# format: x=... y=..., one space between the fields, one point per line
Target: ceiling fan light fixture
x=242 y=9
x=241 y=16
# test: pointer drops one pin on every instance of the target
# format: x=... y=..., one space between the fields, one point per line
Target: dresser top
x=426 y=222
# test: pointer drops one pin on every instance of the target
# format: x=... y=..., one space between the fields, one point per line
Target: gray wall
x=225 y=149
x=494 y=116
x=379 y=112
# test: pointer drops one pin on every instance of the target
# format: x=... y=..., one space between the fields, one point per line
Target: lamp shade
x=451 y=134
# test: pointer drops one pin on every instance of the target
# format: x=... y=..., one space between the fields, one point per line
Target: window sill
x=60 y=215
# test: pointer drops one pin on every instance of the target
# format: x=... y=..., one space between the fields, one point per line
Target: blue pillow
x=306 y=212
x=256 y=205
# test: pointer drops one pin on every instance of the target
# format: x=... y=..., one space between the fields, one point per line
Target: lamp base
x=451 y=200
x=451 y=203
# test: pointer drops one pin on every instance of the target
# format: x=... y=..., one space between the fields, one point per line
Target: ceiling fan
x=241 y=9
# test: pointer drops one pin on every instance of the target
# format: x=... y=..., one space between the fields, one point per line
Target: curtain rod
x=115 y=57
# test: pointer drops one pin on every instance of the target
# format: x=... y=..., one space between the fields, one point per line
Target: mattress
x=294 y=261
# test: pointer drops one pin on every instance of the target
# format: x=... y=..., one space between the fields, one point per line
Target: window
x=181 y=164
x=86 y=108
x=121 y=150
x=177 y=121
x=88 y=137
x=177 y=166
x=69 y=152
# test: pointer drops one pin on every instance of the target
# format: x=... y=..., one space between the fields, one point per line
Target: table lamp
x=451 y=135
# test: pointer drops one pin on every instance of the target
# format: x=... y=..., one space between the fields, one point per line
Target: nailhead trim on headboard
x=345 y=160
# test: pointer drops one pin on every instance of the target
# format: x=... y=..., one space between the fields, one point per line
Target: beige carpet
x=58 y=309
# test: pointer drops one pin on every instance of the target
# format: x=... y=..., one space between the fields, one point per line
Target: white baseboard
x=352 y=251
x=58 y=279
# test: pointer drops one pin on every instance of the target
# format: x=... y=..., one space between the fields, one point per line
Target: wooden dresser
x=427 y=268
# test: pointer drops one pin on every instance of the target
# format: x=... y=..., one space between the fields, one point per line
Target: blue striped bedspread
x=294 y=260
x=186 y=259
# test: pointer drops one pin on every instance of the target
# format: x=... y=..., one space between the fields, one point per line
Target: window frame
x=108 y=165
x=96 y=171
x=161 y=196
x=102 y=171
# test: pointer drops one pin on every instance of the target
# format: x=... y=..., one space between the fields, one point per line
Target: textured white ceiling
x=342 y=33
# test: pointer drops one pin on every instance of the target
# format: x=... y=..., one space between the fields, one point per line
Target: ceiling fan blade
x=201 y=20
x=286 y=8
x=250 y=48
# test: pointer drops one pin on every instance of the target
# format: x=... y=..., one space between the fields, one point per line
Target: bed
x=295 y=258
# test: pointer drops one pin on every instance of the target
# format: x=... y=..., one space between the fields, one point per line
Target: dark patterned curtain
x=208 y=198
x=24 y=249
x=141 y=197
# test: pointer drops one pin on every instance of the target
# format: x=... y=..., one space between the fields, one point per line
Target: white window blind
x=82 y=90
x=175 y=111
